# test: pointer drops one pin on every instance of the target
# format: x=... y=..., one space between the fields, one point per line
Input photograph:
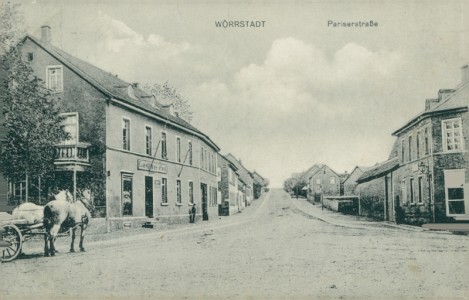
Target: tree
x=32 y=122
x=11 y=29
x=167 y=94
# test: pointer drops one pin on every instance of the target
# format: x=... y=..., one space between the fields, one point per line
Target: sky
x=290 y=93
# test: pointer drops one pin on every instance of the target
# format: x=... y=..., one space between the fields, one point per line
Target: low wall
x=343 y=204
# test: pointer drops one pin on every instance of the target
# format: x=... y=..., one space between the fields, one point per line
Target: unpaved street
x=269 y=250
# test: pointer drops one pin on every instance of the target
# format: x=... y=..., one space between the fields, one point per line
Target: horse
x=66 y=213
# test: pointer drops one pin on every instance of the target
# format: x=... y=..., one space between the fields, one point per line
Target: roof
x=116 y=88
x=230 y=164
x=457 y=100
x=311 y=171
x=322 y=167
x=258 y=178
x=244 y=174
x=379 y=170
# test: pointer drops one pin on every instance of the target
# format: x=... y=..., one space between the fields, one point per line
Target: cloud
x=295 y=107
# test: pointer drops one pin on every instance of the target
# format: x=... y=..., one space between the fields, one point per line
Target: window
x=454 y=192
x=202 y=164
x=410 y=148
x=148 y=144
x=418 y=145
x=404 y=191
x=411 y=186
x=190 y=152
x=318 y=181
x=420 y=196
x=178 y=192
x=164 y=152
x=178 y=149
x=127 y=194
x=70 y=127
x=332 y=180
x=210 y=162
x=54 y=79
x=452 y=135
x=126 y=134
x=191 y=192
x=30 y=56
x=213 y=196
x=426 y=147
x=231 y=176
x=164 y=190
x=402 y=150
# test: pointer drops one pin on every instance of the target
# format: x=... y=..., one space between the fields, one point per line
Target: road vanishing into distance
x=270 y=250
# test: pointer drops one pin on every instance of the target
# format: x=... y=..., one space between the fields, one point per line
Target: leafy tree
x=32 y=122
x=167 y=94
x=11 y=29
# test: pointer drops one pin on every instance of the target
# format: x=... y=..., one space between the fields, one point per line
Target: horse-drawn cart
x=56 y=218
x=13 y=234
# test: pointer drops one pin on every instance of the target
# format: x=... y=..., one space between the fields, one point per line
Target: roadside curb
x=367 y=226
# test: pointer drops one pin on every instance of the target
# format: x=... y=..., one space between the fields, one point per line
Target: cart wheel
x=12 y=241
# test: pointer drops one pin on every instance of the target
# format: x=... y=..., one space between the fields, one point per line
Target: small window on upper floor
x=30 y=56
x=332 y=180
x=54 y=79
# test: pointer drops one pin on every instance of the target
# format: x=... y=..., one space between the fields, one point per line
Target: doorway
x=203 y=192
x=149 y=196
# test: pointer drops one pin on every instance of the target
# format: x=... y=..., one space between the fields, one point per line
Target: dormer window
x=54 y=78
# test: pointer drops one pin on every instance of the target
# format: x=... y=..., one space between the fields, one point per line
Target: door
x=203 y=192
x=149 y=196
x=389 y=205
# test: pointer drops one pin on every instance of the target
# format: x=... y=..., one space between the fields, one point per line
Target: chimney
x=465 y=74
x=443 y=94
x=431 y=103
x=45 y=34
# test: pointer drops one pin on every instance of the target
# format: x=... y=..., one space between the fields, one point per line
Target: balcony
x=72 y=155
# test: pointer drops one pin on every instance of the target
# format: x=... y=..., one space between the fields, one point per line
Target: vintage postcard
x=236 y=149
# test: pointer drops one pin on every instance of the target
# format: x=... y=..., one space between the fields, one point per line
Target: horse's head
x=87 y=199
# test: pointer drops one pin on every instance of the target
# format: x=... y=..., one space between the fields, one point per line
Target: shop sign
x=152 y=166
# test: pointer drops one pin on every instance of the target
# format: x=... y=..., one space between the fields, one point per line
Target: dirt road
x=270 y=250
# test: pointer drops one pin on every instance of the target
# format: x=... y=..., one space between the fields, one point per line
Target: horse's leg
x=82 y=236
x=52 y=236
x=72 y=247
x=46 y=244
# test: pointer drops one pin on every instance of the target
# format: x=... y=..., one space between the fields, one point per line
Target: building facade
x=228 y=187
x=428 y=179
x=433 y=175
x=323 y=182
x=246 y=183
x=137 y=156
x=350 y=182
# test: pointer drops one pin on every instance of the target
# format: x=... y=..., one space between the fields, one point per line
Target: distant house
x=259 y=184
x=228 y=186
x=323 y=182
x=350 y=183
x=427 y=178
x=247 y=182
x=375 y=190
x=342 y=178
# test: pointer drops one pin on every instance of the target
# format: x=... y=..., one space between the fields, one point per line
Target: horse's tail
x=48 y=218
